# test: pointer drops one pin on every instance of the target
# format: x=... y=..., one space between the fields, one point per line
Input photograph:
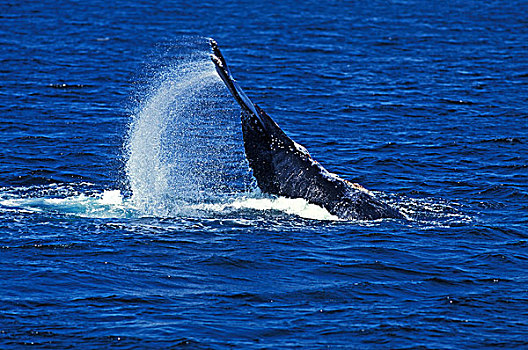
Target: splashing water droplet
x=184 y=145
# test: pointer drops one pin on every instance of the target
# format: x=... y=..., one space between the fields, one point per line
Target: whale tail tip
x=213 y=43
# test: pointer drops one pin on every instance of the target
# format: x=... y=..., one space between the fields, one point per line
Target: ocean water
x=129 y=217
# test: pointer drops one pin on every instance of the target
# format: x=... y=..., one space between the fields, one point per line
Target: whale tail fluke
x=283 y=167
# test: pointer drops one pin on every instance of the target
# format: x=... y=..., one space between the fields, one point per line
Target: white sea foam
x=297 y=206
x=113 y=197
x=108 y=204
x=112 y=204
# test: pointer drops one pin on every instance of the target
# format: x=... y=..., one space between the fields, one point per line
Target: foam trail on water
x=293 y=206
x=106 y=204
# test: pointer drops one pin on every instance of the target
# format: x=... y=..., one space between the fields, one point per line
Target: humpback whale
x=282 y=167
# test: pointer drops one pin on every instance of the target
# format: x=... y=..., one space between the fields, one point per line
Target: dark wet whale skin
x=283 y=167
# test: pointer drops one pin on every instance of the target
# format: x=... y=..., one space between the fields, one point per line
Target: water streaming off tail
x=185 y=149
x=185 y=146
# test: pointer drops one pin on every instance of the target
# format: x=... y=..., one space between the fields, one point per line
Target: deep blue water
x=129 y=218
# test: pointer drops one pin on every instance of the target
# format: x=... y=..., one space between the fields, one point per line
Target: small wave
x=67 y=86
x=505 y=140
x=458 y=102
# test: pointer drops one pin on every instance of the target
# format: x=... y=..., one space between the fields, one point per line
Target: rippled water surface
x=129 y=218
